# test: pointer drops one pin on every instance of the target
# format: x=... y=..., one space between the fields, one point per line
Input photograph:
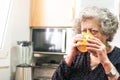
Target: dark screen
x=48 y=39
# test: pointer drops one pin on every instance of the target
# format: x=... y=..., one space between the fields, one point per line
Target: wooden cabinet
x=51 y=13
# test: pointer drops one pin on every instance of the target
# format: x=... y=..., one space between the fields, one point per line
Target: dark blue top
x=80 y=68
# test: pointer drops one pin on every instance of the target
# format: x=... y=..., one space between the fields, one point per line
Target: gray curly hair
x=108 y=21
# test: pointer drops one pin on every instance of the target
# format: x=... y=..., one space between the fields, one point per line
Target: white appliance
x=24 y=67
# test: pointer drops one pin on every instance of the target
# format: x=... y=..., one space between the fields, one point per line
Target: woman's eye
x=94 y=31
x=84 y=30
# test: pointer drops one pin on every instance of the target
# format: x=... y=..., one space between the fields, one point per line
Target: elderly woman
x=101 y=61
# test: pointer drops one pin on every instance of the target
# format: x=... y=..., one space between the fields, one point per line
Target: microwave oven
x=49 y=40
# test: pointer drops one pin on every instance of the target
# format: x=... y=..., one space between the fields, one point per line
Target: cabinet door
x=51 y=13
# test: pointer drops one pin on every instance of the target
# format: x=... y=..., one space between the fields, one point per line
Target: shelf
x=38 y=54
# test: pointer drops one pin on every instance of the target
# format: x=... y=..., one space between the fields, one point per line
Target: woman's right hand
x=73 y=51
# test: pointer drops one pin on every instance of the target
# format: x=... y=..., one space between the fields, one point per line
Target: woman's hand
x=97 y=50
x=73 y=51
x=98 y=54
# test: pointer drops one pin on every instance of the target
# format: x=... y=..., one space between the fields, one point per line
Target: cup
x=83 y=42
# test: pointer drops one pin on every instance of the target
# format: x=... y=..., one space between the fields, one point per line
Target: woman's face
x=93 y=26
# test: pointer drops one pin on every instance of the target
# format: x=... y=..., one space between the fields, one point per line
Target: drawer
x=43 y=73
x=43 y=79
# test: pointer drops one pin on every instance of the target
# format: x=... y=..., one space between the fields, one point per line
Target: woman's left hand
x=97 y=50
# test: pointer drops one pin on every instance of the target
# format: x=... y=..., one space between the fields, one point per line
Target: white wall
x=116 y=40
x=17 y=30
x=19 y=23
x=113 y=5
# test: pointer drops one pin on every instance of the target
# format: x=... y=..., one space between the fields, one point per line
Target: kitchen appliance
x=24 y=67
x=49 y=40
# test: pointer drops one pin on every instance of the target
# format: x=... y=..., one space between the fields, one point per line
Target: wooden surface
x=51 y=13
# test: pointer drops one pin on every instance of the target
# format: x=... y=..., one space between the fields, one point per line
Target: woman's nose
x=88 y=31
